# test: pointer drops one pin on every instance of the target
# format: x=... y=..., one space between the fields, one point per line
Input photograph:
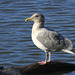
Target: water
x=16 y=46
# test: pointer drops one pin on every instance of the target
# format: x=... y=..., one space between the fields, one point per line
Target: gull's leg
x=46 y=57
x=44 y=62
x=49 y=56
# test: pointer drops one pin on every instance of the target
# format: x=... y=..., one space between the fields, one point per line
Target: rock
x=36 y=69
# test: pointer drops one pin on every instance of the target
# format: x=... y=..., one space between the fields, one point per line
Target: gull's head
x=37 y=17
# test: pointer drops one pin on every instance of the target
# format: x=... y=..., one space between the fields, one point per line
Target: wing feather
x=51 y=39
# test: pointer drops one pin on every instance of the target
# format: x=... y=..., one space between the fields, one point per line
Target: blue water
x=16 y=46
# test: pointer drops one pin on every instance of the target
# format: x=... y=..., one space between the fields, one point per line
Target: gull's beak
x=28 y=19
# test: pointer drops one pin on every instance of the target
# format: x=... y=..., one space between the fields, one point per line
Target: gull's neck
x=37 y=26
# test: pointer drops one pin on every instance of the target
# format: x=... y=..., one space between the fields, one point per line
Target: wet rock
x=36 y=69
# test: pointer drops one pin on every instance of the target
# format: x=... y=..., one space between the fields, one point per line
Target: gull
x=47 y=39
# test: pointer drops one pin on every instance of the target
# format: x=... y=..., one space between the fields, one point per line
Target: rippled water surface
x=16 y=46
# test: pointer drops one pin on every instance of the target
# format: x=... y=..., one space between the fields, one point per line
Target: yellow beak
x=28 y=19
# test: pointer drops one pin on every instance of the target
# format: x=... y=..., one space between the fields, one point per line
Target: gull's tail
x=68 y=46
x=68 y=51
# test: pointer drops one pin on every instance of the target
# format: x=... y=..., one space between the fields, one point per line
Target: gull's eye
x=36 y=16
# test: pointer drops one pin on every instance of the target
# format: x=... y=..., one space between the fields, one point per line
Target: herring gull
x=48 y=39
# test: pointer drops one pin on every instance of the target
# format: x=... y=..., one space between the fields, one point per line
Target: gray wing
x=51 y=39
x=68 y=44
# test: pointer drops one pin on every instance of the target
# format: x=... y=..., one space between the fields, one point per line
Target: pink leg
x=44 y=62
x=49 y=56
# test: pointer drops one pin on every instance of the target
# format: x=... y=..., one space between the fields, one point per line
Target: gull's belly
x=38 y=43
